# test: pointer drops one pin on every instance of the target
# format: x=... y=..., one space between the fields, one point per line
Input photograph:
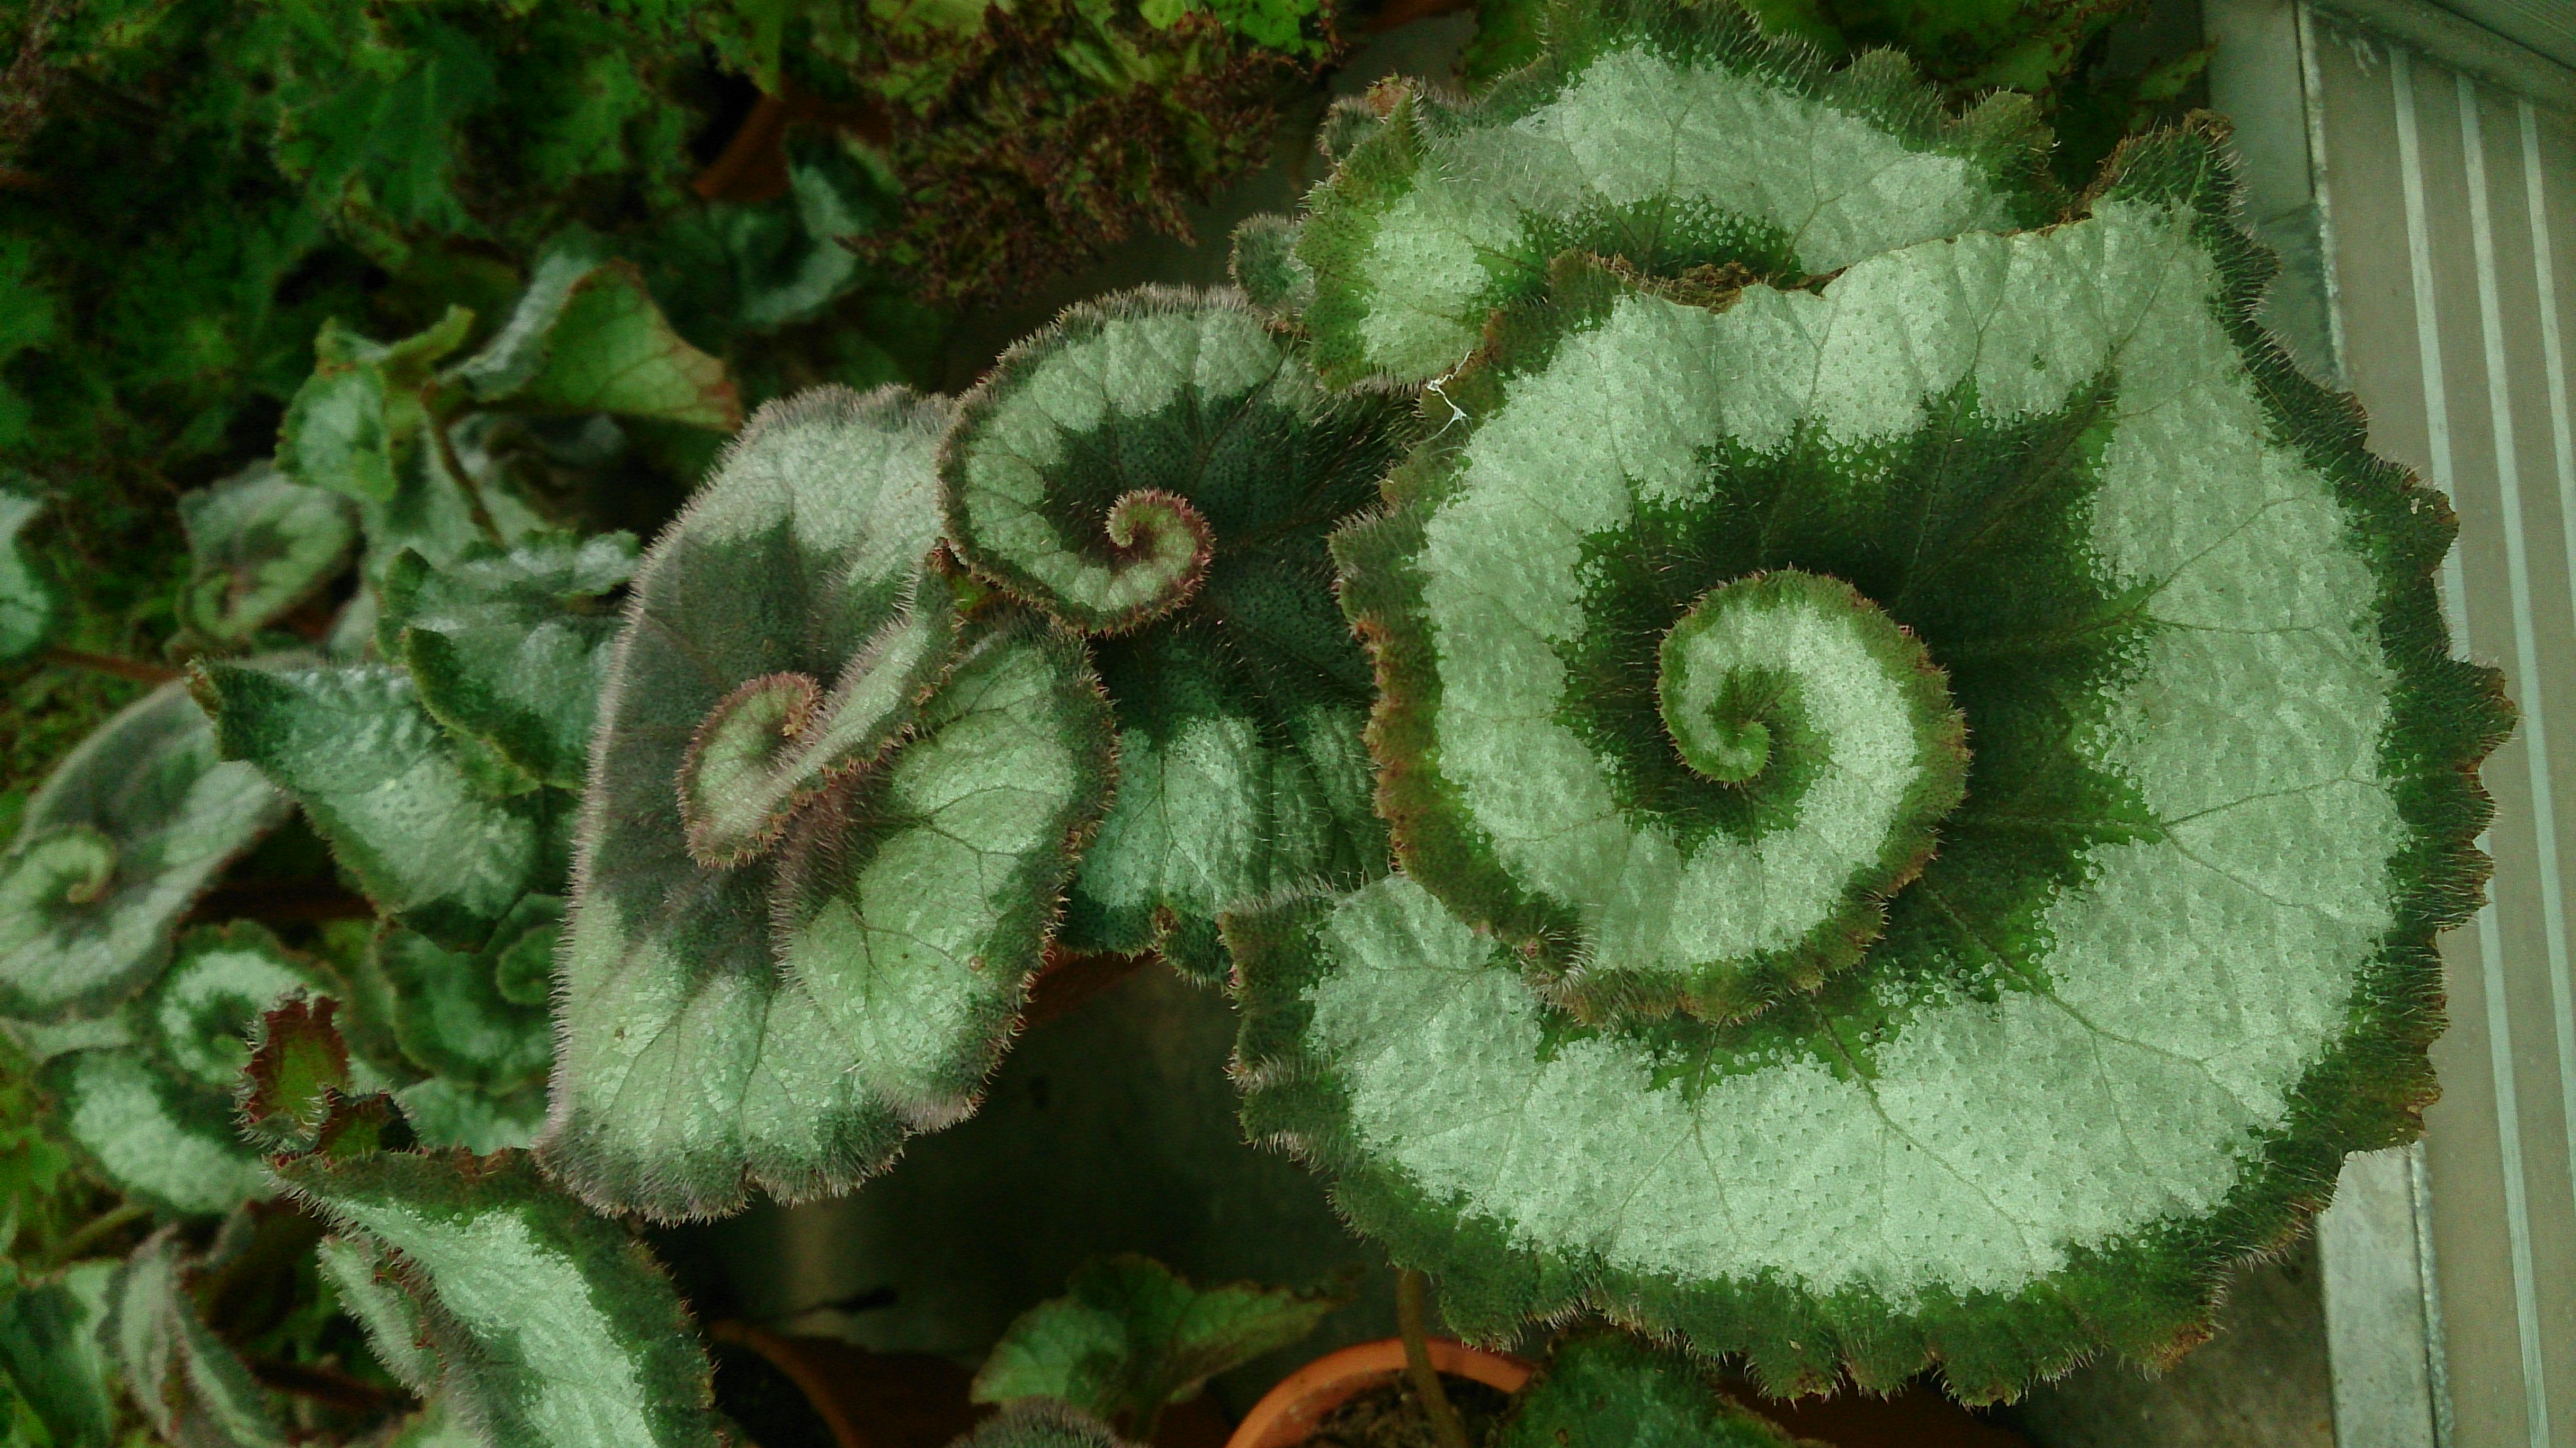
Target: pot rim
x=1289 y=1412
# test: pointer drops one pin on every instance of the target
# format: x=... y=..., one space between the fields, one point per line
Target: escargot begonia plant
x=1783 y=735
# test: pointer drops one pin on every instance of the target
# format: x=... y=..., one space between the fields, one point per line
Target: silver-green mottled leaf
x=199 y=1015
x=1132 y=1336
x=258 y=545
x=426 y=825
x=552 y=1328
x=509 y=646
x=788 y=1020
x=434 y=1426
x=157 y=1135
x=124 y=835
x=355 y=424
x=450 y=1012
x=189 y=1385
x=27 y=604
x=49 y=1346
x=359 y=1271
x=587 y=337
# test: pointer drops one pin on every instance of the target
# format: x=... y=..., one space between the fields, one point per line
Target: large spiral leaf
x=2173 y=957
x=1161 y=469
x=813 y=873
x=1672 y=136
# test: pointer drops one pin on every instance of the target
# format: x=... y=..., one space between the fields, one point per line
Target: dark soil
x=1392 y=1417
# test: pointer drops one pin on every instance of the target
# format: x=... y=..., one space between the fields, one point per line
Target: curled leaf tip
x=1162 y=547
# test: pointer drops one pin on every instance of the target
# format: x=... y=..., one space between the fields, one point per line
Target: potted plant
x=1794 y=747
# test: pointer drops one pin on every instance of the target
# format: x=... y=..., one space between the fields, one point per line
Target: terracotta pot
x=1290 y=1411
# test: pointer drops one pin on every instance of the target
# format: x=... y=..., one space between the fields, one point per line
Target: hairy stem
x=1445 y=1423
x=135 y=669
x=455 y=465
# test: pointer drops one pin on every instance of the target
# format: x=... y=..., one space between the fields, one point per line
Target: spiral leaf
x=1162 y=469
x=477 y=1019
x=2173 y=958
x=1673 y=136
x=788 y=1019
x=125 y=834
x=199 y=1015
x=159 y=1136
x=258 y=546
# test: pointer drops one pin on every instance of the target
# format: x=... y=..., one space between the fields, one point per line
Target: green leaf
x=190 y=1386
x=354 y=426
x=124 y=835
x=49 y=1346
x=1266 y=266
x=553 y=1328
x=361 y=1272
x=1608 y=1390
x=1133 y=1336
x=788 y=1020
x=200 y=1015
x=434 y=1426
x=1041 y=1425
x=259 y=546
x=444 y=1113
x=449 y=1008
x=27 y=604
x=1671 y=136
x=297 y=1076
x=587 y=337
x=2173 y=957
x=1240 y=694
x=510 y=647
x=421 y=821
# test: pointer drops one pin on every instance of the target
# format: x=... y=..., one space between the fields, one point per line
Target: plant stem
x=95 y=1231
x=135 y=669
x=1445 y=1423
x=455 y=465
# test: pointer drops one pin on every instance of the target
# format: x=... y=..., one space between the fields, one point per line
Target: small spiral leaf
x=788 y=1019
x=258 y=545
x=1162 y=469
x=125 y=834
x=775 y=743
x=199 y=1015
x=547 y=1326
x=509 y=646
x=1673 y=136
x=471 y=1016
x=2173 y=958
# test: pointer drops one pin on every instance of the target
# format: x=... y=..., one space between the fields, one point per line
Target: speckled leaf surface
x=121 y=839
x=259 y=544
x=1239 y=692
x=511 y=646
x=440 y=833
x=477 y=1018
x=189 y=1384
x=27 y=607
x=587 y=337
x=1672 y=136
x=2173 y=957
x=1605 y=1390
x=785 y=1020
x=1131 y=1336
x=552 y=1328
x=444 y=1113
